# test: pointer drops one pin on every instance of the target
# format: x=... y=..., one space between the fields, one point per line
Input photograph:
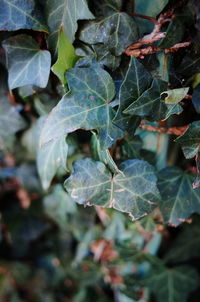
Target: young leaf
x=136 y=81
x=86 y=107
x=110 y=31
x=133 y=192
x=50 y=158
x=190 y=140
x=149 y=103
x=174 y=96
x=179 y=199
x=66 y=57
x=27 y=64
x=19 y=14
x=172 y=284
x=65 y=14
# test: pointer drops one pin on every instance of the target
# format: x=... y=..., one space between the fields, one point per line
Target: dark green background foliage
x=99 y=151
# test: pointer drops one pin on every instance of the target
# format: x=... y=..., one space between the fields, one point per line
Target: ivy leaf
x=136 y=81
x=110 y=31
x=149 y=103
x=190 y=140
x=174 y=96
x=10 y=121
x=65 y=14
x=50 y=158
x=87 y=107
x=19 y=14
x=27 y=64
x=66 y=57
x=172 y=284
x=179 y=199
x=134 y=191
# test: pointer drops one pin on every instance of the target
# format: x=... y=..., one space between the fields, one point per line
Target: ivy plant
x=99 y=150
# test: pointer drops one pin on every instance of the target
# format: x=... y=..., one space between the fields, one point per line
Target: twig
x=156 y=35
x=152 y=49
x=171 y=130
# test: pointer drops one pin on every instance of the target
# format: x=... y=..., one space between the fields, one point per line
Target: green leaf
x=190 y=140
x=17 y=14
x=27 y=64
x=65 y=14
x=10 y=121
x=66 y=57
x=58 y=204
x=148 y=8
x=172 y=284
x=179 y=199
x=87 y=107
x=149 y=104
x=102 y=155
x=134 y=191
x=174 y=96
x=110 y=31
x=136 y=81
x=50 y=158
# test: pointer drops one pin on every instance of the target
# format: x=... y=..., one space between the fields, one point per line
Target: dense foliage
x=99 y=150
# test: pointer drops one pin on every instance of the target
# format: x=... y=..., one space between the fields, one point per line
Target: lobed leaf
x=134 y=191
x=110 y=31
x=86 y=106
x=136 y=81
x=149 y=104
x=179 y=199
x=27 y=63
